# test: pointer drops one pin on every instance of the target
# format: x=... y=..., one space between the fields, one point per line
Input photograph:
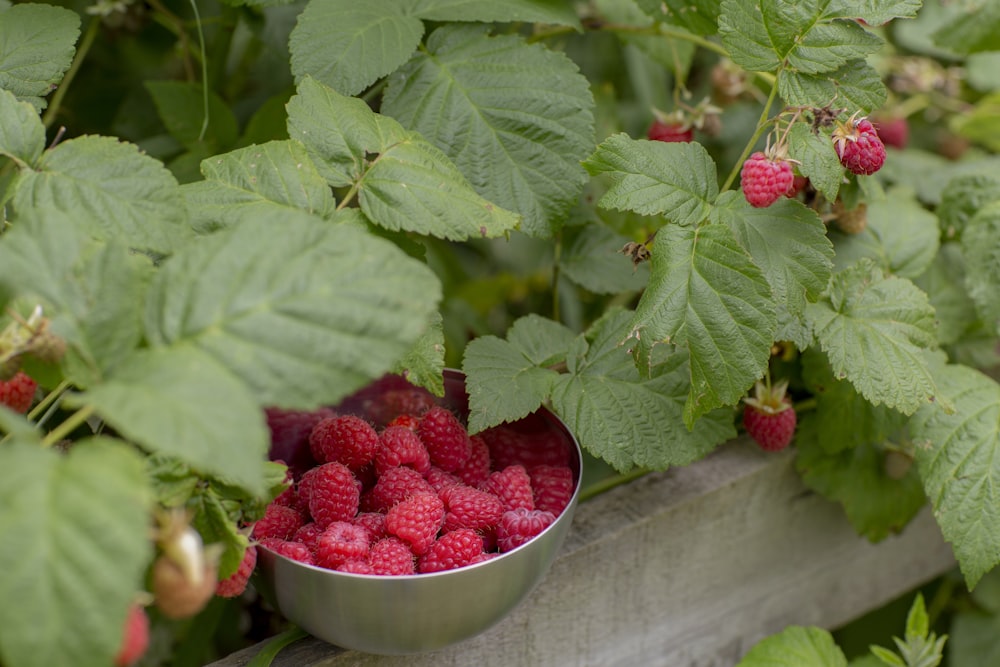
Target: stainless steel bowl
x=424 y=612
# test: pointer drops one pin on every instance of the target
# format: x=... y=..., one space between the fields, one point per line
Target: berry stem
x=762 y=125
x=60 y=432
x=49 y=399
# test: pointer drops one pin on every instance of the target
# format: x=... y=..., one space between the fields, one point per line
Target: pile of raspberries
x=403 y=489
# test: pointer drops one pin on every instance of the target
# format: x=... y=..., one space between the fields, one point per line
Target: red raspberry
x=236 y=583
x=395 y=485
x=293 y=550
x=451 y=550
x=475 y=471
x=341 y=542
x=290 y=436
x=510 y=446
x=395 y=402
x=445 y=438
x=440 y=480
x=799 y=184
x=483 y=557
x=391 y=556
x=373 y=522
x=332 y=492
x=769 y=417
x=278 y=521
x=466 y=507
x=409 y=421
x=765 y=179
x=18 y=392
x=347 y=439
x=670 y=132
x=893 y=131
x=552 y=487
x=400 y=446
x=355 y=567
x=859 y=147
x=416 y=521
x=518 y=526
x=135 y=639
x=308 y=534
x=513 y=486
x=290 y=496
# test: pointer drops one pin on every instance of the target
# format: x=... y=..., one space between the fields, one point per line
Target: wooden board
x=687 y=568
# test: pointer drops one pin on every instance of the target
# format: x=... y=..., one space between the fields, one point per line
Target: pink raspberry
x=454 y=549
x=395 y=485
x=395 y=402
x=135 y=637
x=445 y=438
x=341 y=542
x=332 y=492
x=859 y=147
x=400 y=446
x=293 y=550
x=308 y=534
x=290 y=436
x=278 y=521
x=18 y=392
x=373 y=522
x=236 y=583
x=347 y=439
x=476 y=470
x=416 y=521
x=552 y=486
x=893 y=131
x=355 y=567
x=670 y=132
x=765 y=179
x=509 y=446
x=512 y=486
x=518 y=526
x=466 y=507
x=391 y=556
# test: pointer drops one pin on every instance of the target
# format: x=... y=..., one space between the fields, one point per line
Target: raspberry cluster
x=402 y=488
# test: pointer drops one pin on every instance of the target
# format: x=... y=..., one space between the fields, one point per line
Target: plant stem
x=611 y=482
x=557 y=253
x=56 y=103
x=68 y=426
x=204 y=70
x=49 y=399
x=941 y=599
x=761 y=126
x=175 y=24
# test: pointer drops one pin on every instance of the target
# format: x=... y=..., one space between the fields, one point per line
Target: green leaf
x=981 y=248
x=963 y=197
x=678 y=180
x=181 y=107
x=630 y=421
x=91 y=291
x=820 y=163
x=787 y=240
x=507 y=379
x=706 y=294
x=349 y=45
x=796 y=646
x=887 y=657
x=974 y=638
x=423 y=365
x=944 y=282
x=982 y=71
x=115 y=190
x=698 y=16
x=36 y=48
x=959 y=458
x=673 y=54
x=529 y=11
x=854 y=86
x=274 y=177
x=215 y=526
x=796 y=35
x=179 y=401
x=917 y=623
x=982 y=122
x=873 y=12
x=973 y=31
x=591 y=258
x=403 y=181
x=75 y=548
x=269 y=122
x=304 y=316
x=874 y=328
x=516 y=118
x=929 y=173
x=876 y=504
x=22 y=135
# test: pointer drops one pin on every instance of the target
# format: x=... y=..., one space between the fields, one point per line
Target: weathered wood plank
x=687 y=568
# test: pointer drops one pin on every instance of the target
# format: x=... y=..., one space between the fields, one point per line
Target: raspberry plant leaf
x=855 y=85
x=22 y=135
x=74 y=551
x=975 y=30
x=958 y=457
x=509 y=379
x=516 y=118
x=317 y=311
x=963 y=197
x=216 y=526
x=873 y=12
x=981 y=249
x=37 y=43
x=92 y=291
x=706 y=294
x=944 y=282
x=627 y=420
x=275 y=176
x=403 y=182
x=179 y=401
x=535 y=11
x=116 y=190
x=677 y=180
x=586 y=261
x=674 y=54
x=787 y=240
x=820 y=163
x=699 y=16
x=181 y=108
x=424 y=364
x=796 y=646
x=874 y=329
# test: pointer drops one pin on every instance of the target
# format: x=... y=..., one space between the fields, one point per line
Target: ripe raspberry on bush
x=445 y=438
x=346 y=439
x=893 y=131
x=416 y=521
x=453 y=549
x=552 y=487
x=858 y=146
x=769 y=417
x=18 y=392
x=670 y=132
x=400 y=446
x=766 y=178
x=332 y=492
x=135 y=639
x=466 y=507
x=512 y=486
x=518 y=526
x=341 y=542
x=278 y=521
x=234 y=585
